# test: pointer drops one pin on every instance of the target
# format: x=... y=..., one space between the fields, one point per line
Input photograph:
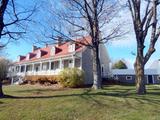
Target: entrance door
x=150 y=79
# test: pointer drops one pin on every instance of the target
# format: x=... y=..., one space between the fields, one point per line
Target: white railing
x=47 y=72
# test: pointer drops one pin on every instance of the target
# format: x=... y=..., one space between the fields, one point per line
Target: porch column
x=12 y=81
x=49 y=65
x=61 y=64
x=32 y=67
x=40 y=69
x=25 y=68
x=19 y=68
x=73 y=64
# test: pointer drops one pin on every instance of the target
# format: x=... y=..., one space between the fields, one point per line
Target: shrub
x=71 y=77
x=41 y=79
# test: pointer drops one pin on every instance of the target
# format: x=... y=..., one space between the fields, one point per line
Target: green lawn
x=111 y=103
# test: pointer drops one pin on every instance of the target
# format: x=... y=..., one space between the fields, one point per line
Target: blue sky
x=120 y=49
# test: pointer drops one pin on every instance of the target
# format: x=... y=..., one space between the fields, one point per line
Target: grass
x=111 y=103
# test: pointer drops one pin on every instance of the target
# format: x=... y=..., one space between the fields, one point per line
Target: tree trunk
x=3 y=6
x=97 y=79
x=1 y=91
x=140 y=81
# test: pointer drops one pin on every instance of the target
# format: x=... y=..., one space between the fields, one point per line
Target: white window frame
x=38 y=54
x=54 y=65
x=116 y=77
x=53 y=51
x=45 y=66
x=158 y=77
x=79 y=60
x=129 y=78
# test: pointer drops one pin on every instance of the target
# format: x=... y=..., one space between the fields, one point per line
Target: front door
x=150 y=79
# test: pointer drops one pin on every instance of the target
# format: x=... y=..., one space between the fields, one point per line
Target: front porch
x=46 y=67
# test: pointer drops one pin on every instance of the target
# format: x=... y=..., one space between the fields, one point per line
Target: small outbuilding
x=152 y=76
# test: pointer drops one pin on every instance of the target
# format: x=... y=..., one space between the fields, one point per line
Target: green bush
x=71 y=77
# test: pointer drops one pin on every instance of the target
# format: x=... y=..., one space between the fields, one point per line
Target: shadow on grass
x=92 y=96
x=40 y=90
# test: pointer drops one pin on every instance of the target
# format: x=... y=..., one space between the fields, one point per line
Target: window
x=45 y=66
x=55 y=65
x=22 y=68
x=102 y=69
x=71 y=47
x=67 y=63
x=70 y=65
x=12 y=69
x=128 y=77
x=17 y=68
x=28 y=68
x=77 y=62
x=28 y=57
x=116 y=77
x=52 y=51
x=158 y=77
x=70 y=61
x=37 y=67
x=39 y=54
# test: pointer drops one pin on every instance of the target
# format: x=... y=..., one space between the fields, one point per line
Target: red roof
x=61 y=50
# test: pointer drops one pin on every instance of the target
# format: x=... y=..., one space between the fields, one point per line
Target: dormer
x=20 y=58
x=55 y=50
x=52 y=51
x=71 y=47
x=41 y=53
x=38 y=54
x=30 y=55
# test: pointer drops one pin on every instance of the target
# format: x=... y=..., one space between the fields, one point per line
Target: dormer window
x=38 y=54
x=20 y=58
x=28 y=57
x=55 y=50
x=41 y=53
x=71 y=47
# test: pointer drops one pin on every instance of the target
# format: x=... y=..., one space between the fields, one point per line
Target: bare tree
x=145 y=23
x=80 y=18
x=13 y=20
x=4 y=65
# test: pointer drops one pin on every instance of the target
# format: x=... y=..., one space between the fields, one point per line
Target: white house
x=51 y=59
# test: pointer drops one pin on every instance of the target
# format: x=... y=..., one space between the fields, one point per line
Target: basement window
x=128 y=77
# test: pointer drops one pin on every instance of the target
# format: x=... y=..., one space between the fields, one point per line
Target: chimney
x=34 y=48
x=46 y=45
x=60 y=40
